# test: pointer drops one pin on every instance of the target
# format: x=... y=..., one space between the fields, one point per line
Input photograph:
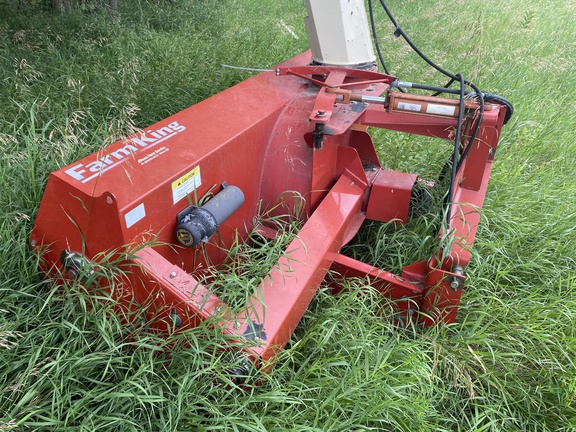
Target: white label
x=441 y=109
x=123 y=150
x=186 y=184
x=409 y=106
x=135 y=215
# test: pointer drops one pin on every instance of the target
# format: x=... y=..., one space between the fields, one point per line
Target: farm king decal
x=146 y=139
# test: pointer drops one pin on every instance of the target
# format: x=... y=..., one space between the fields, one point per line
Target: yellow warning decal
x=186 y=184
x=186 y=177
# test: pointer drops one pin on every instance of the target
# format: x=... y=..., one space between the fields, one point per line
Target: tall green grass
x=74 y=83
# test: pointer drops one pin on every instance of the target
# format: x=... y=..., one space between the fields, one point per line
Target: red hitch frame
x=301 y=129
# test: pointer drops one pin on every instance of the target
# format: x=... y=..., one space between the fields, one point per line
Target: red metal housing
x=277 y=132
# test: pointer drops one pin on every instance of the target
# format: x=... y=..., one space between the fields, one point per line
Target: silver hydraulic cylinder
x=338 y=33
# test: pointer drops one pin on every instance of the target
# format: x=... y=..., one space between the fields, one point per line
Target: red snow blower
x=170 y=200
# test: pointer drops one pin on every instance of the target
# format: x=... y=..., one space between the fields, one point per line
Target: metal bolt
x=321 y=113
x=175 y=318
x=33 y=243
x=455 y=284
x=172 y=275
x=241 y=371
x=76 y=265
x=459 y=270
x=457 y=281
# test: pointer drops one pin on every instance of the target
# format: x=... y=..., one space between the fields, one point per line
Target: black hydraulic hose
x=450 y=195
x=399 y=32
x=475 y=132
x=437 y=89
x=487 y=96
x=443 y=89
x=457 y=162
x=375 y=38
